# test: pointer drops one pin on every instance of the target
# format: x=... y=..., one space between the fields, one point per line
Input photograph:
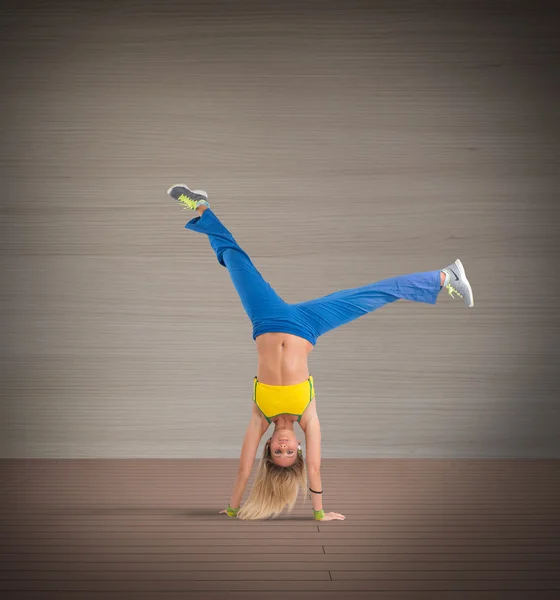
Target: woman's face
x=284 y=447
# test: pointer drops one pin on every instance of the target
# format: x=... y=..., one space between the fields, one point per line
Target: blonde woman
x=283 y=390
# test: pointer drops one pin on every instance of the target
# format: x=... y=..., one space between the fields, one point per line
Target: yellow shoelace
x=451 y=289
x=187 y=201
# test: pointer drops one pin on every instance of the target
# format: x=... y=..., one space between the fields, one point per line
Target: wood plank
x=185 y=548
x=458 y=574
x=120 y=584
x=331 y=537
x=380 y=515
x=358 y=562
x=534 y=594
x=334 y=530
x=439 y=552
x=382 y=531
x=364 y=568
x=155 y=517
x=141 y=572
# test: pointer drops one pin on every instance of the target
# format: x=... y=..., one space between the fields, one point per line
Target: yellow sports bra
x=274 y=400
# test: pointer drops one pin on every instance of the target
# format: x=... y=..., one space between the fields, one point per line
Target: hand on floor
x=332 y=516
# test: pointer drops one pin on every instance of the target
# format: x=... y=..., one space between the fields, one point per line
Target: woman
x=283 y=390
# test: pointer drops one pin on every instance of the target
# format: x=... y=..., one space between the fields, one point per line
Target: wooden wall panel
x=340 y=146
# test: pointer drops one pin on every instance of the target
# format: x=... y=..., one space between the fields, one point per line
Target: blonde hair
x=274 y=487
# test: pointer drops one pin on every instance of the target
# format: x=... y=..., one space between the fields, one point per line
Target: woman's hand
x=230 y=512
x=332 y=516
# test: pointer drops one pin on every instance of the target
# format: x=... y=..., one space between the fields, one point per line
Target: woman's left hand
x=332 y=516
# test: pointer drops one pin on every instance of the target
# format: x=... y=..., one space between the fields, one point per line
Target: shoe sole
x=464 y=276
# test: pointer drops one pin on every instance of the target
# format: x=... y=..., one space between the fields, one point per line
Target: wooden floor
x=414 y=529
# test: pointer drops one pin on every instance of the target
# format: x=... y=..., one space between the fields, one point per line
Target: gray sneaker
x=458 y=283
x=188 y=198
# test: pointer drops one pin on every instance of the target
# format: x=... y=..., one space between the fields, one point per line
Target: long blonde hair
x=274 y=487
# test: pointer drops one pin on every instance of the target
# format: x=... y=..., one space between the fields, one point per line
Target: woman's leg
x=327 y=313
x=256 y=294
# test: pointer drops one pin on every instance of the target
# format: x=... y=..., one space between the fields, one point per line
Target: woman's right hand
x=332 y=516
x=233 y=516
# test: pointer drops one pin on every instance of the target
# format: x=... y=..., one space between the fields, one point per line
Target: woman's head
x=278 y=480
x=284 y=447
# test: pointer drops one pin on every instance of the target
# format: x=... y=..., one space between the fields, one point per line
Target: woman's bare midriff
x=283 y=361
x=282 y=358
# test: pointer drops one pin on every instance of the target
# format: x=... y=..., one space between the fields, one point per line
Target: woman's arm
x=239 y=488
x=313 y=448
x=313 y=444
x=253 y=435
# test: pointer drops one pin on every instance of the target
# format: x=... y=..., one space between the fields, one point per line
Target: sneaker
x=190 y=199
x=458 y=283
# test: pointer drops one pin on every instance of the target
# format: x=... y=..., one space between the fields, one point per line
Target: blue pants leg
x=256 y=294
x=311 y=319
x=341 y=307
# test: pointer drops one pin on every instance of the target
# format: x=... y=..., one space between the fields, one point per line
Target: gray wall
x=341 y=146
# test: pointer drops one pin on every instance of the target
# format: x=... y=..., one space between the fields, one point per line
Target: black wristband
x=315 y=491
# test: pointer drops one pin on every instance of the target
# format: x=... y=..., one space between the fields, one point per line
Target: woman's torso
x=283 y=361
x=282 y=358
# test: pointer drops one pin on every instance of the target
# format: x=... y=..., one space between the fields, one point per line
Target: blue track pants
x=311 y=319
